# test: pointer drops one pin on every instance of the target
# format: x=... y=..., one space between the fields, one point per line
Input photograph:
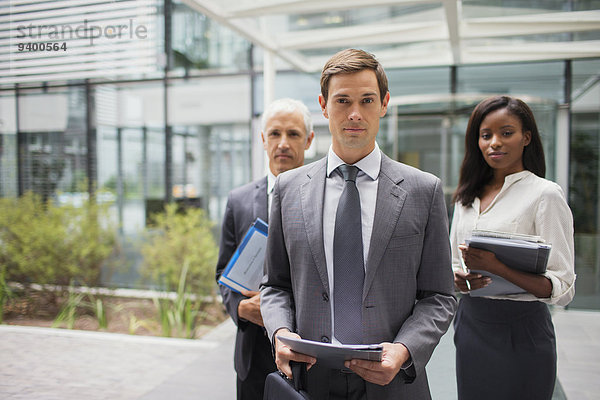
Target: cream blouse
x=530 y=205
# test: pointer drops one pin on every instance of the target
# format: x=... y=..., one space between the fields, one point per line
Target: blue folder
x=244 y=271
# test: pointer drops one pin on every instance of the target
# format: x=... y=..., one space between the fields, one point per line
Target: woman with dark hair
x=505 y=344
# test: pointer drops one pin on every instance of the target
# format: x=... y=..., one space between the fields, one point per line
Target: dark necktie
x=348 y=265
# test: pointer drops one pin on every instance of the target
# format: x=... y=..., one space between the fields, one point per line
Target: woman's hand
x=476 y=281
x=538 y=285
x=480 y=259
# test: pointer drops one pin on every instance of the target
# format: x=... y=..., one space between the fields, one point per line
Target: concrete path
x=578 y=347
x=45 y=364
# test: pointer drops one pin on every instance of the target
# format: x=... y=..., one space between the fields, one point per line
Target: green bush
x=48 y=244
x=5 y=292
x=176 y=239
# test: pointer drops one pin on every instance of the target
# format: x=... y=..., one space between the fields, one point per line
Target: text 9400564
x=42 y=46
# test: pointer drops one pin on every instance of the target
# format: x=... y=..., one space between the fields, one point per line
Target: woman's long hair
x=475 y=172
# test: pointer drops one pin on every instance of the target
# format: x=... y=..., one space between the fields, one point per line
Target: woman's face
x=502 y=140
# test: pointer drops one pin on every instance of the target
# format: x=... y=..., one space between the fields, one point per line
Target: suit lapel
x=389 y=203
x=311 y=196
x=261 y=204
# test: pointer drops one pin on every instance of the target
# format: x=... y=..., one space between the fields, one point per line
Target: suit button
x=325 y=296
x=324 y=339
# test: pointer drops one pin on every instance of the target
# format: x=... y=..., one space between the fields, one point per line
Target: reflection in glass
x=200 y=43
x=584 y=194
x=8 y=145
x=52 y=124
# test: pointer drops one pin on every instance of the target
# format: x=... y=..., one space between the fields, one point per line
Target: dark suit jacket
x=244 y=205
x=408 y=294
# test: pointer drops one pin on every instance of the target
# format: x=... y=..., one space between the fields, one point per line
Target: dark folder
x=517 y=252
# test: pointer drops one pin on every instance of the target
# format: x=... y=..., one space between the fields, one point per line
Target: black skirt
x=504 y=350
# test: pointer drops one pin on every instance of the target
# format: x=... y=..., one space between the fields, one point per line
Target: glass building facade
x=174 y=116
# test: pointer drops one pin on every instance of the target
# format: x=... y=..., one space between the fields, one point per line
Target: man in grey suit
x=286 y=133
x=406 y=299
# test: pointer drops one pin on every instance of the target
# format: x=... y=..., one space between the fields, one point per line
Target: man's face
x=354 y=108
x=285 y=139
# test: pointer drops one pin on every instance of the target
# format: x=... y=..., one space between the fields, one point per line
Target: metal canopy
x=403 y=33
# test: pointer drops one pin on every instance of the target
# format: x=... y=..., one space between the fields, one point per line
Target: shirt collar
x=509 y=180
x=370 y=164
x=517 y=176
x=270 y=182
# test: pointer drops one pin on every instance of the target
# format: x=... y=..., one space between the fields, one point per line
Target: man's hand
x=249 y=309
x=283 y=354
x=381 y=372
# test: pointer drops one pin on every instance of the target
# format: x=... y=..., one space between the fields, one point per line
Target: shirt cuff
x=408 y=372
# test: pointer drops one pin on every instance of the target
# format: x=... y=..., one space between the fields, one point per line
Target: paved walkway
x=44 y=364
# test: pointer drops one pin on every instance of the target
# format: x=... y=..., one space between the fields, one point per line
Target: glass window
x=544 y=80
x=491 y=8
x=53 y=125
x=418 y=81
x=296 y=85
x=230 y=156
x=46 y=41
x=130 y=150
x=208 y=162
x=8 y=145
x=431 y=140
x=584 y=185
x=201 y=43
x=211 y=120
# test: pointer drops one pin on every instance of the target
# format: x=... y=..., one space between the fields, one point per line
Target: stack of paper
x=333 y=355
x=506 y=235
x=523 y=252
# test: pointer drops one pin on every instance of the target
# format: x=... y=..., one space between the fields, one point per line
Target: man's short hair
x=288 y=105
x=349 y=61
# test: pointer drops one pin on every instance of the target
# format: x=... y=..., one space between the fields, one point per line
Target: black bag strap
x=298 y=375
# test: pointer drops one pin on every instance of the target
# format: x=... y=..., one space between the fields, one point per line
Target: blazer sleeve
x=435 y=303
x=228 y=244
x=276 y=299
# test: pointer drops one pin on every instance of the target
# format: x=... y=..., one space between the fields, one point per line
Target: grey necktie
x=348 y=265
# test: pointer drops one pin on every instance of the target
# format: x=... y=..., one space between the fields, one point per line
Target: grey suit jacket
x=244 y=205
x=408 y=294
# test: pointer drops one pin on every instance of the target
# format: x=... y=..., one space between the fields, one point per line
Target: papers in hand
x=244 y=271
x=523 y=252
x=333 y=355
x=506 y=235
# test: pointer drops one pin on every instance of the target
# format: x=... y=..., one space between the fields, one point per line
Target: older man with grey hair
x=286 y=133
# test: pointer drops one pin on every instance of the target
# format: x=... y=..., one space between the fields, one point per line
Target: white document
x=333 y=355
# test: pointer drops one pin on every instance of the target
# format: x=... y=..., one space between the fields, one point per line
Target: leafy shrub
x=176 y=239
x=44 y=243
x=5 y=292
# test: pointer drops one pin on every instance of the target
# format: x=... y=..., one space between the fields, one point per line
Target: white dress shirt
x=366 y=181
x=270 y=186
x=531 y=205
